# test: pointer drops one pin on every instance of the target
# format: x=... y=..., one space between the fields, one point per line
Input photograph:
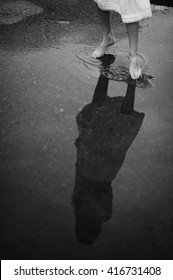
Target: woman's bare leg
x=108 y=38
x=133 y=30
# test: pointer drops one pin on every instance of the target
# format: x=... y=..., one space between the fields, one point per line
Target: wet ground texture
x=86 y=163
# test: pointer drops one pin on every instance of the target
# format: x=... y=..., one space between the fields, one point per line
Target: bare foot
x=100 y=51
x=135 y=67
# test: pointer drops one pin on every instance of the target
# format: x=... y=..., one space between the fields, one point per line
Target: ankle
x=108 y=36
x=132 y=54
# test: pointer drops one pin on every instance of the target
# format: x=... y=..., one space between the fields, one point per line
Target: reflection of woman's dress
x=92 y=201
x=104 y=138
x=107 y=127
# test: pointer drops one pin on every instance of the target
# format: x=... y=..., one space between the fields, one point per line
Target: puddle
x=12 y=12
x=121 y=74
x=117 y=69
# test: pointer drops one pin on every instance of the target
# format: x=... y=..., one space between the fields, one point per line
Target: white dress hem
x=131 y=16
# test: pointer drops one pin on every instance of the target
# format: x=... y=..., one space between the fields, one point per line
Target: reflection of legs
x=108 y=38
x=132 y=30
x=101 y=90
x=128 y=101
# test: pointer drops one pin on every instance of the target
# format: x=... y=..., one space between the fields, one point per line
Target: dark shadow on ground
x=107 y=128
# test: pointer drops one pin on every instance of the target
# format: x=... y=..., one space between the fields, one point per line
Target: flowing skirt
x=130 y=10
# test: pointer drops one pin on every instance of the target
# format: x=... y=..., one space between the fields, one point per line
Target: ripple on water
x=115 y=67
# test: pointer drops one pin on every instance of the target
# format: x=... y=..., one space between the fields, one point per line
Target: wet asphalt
x=86 y=162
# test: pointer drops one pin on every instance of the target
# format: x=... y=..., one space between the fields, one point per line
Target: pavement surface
x=83 y=175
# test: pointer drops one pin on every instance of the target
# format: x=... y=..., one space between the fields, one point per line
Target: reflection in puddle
x=117 y=70
x=121 y=73
x=93 y=205
x=107 y=127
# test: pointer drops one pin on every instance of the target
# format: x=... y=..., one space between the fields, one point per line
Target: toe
x=135 y=74
x=138 y=74
x=132 y=73
x=135 y=70
x=95 y=54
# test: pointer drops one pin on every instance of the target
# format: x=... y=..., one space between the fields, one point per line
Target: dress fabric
x=130 y=10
